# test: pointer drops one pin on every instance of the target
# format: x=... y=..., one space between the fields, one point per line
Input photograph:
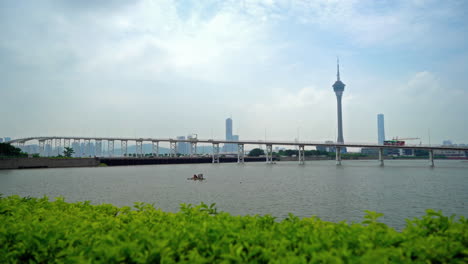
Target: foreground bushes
x=36 y=230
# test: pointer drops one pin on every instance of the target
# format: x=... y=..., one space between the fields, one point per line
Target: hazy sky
x=167 y=68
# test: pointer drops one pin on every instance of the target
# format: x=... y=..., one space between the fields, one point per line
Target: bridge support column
x=21 y=145
x=193 y=149
x=123 y=147
x=41 y=147
x=240 y=153
x=98 y=148
x=173 y=148
x=431 y=157
x=87 y=147
x=269 y=154
x=78 y=150
x=301 y=154
x=215 y=152
x=66 y=142
x=58 y=145
x=381 y=156
x=338 y=155
x=139 y=148
x=49 y=147
x=110 y=147
x=155 y=148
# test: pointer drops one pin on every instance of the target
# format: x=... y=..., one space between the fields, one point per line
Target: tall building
x=380 y=129
x=230 y=136
x=182 y=147
x=229 y=129
x=338 y=87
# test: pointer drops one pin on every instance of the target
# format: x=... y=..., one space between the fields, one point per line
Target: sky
x=167 y=68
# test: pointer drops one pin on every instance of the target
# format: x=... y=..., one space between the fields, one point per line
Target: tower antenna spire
x=337 y=68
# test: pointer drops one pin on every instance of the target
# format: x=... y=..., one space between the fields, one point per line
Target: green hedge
x=36 y=230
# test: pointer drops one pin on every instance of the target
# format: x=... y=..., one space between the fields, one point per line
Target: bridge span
x=58 y=140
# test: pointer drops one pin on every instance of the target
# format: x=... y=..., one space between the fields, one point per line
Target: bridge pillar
x=338 y=155
x=193 y=149
x=123 y=147
x=173 y=148
x=41 y=147
x=139 y=148
x=269 y=154
x=66 y=142
x=98 y=148
x=110 y=147
x=240 y=153
x=49 y=147
x=301 y=154
x=21 y=145
x=78 y=150
x=431 y=157
x=215 y=152
x=87 y=147
x=58 y=145
x=381 y=156
x=155 y=148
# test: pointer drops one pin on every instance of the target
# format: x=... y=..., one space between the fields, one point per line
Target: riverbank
x=39 y=231
x=34 y=163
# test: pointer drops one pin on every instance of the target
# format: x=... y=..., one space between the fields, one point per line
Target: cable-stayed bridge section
x=62 y=141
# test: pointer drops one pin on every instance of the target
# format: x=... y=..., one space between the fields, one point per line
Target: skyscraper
x=338 y=87
x=230 y=136
x=380 y=128
x=229 y=129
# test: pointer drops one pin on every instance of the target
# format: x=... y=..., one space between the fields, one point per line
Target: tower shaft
x=340 y=119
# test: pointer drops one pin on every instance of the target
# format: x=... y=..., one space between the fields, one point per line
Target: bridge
x=58 y=140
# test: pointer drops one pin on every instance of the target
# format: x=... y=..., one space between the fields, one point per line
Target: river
x=400 y=189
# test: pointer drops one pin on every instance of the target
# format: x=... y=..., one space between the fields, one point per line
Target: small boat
x=198 y=177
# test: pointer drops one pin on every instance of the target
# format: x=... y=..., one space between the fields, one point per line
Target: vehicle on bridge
x=394 y=142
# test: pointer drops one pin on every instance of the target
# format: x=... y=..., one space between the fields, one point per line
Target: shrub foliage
x=36 y=230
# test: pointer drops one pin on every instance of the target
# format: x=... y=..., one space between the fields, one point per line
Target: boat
x=198 y=178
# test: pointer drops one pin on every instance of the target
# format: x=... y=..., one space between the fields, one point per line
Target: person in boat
x=200 y=176
x=195 y=177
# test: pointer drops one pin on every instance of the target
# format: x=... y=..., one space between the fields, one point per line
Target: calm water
x=400 y=190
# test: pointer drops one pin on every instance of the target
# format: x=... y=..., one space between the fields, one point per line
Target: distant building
x=230 y=136
x=380 y=129
x=326 y=148
x=451 y=153
x=370 y=151
x=229 y=129
x=7 y=139
x=182 y=147
x=1 y=140
x=447 y=143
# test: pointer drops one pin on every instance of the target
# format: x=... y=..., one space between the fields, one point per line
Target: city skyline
x=113 y=69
